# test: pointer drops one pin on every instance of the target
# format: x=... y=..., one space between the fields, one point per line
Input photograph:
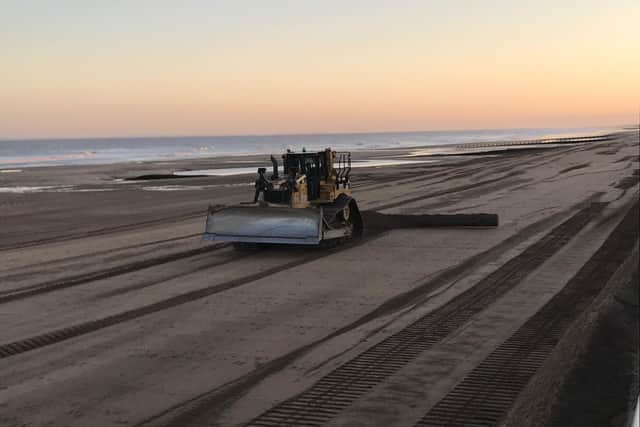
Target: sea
x=51 y=152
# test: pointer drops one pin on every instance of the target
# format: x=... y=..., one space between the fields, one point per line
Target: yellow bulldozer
x=308 y=203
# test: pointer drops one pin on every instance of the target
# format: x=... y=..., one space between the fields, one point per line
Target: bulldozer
x=308 y=203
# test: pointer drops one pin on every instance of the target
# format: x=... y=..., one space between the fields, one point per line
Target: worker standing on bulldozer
x=262 y=185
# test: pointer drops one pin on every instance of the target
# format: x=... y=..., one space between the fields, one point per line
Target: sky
x=89 y=68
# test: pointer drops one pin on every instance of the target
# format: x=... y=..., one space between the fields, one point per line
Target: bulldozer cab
x=313 y=165
x=326 y=175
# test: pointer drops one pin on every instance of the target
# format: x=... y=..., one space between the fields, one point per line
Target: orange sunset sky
x=134 y=68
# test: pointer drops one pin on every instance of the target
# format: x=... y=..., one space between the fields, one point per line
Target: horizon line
x=240 y=135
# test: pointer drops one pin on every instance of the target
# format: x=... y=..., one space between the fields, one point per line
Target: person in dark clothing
x=262 y=184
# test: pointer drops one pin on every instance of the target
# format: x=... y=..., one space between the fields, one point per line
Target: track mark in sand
x=340 y=388
x=58 y=335
x=424 y=174
x=148 y=283
x=213 y=401
x=610 y=152
x=337 y=390
x=557 y=178
x=102 y=231
x=81 y=279
x=629 y=181
x=457 y=189
x=501 y=188
x=572 y=168
x=122 y=249
x=634 y=158
x=49 y=338
x=490 y=390
x=391 y=180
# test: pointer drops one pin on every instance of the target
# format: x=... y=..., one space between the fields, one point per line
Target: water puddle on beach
x=50 y=189
x=193 y=187
x=484 y=150
x=251 y=170
x=22 y=189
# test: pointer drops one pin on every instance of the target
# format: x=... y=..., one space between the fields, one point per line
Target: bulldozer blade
x=254 y=224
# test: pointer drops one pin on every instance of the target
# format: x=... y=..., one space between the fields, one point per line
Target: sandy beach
x=115 y=312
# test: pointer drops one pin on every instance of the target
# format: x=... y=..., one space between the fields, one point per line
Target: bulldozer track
x=103 y=231
x=341 y=387
x=62 y=334
x=67 y=282
x=485 y=395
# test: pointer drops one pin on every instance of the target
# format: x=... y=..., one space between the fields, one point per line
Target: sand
x=182 y=326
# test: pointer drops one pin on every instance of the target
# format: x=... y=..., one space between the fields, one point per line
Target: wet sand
x=115 y=312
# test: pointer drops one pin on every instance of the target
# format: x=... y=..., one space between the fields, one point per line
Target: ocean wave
x=120 y=150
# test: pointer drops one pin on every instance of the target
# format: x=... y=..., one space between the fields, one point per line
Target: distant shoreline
x=230 y=168
x=48 y=153
x=269 y=135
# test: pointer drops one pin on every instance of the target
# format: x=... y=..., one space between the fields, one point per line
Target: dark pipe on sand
x=379 y=221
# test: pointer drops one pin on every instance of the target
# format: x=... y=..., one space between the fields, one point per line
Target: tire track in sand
x=62 y=334
x=209 y=405
x=105 y=230
x=112 y=254
x=488 y=391
x=80 y=279
x=341 y=387
x=446 y=191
